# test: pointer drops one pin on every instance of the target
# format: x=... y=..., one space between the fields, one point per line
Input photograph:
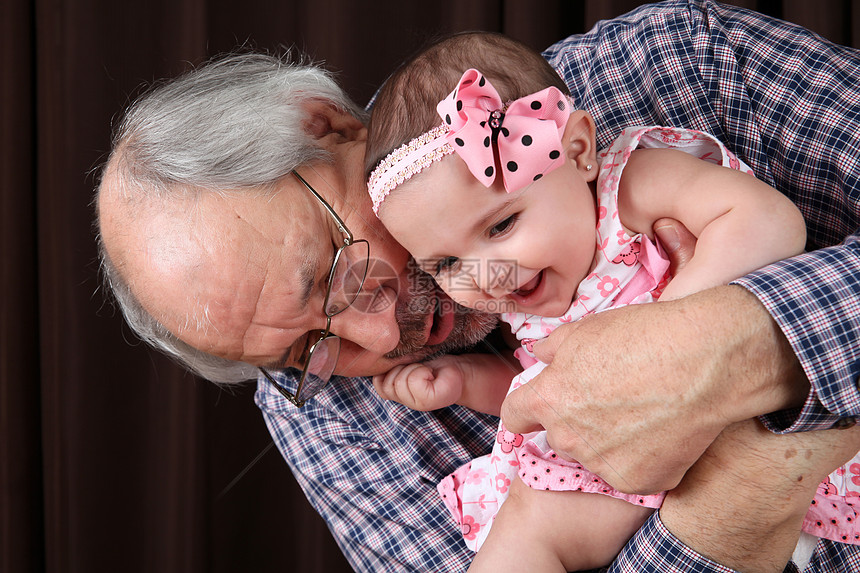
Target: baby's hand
x=423 y=386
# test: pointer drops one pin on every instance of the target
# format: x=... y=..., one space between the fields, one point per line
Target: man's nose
x=370 y=322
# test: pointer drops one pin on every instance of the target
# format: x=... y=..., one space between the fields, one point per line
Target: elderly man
x=235 y=231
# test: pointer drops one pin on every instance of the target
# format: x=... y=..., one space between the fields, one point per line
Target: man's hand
x=746 y=530
x=637 y=394
x=614 y=398
x=677 y=241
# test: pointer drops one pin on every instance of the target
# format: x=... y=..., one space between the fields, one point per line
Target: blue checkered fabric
x=370 y=468
x=788 y=104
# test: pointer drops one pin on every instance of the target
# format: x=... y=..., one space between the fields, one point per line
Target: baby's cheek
x=472 y=298
x=459 y=287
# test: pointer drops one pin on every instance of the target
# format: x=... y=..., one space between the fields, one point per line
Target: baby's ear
x=579 y=139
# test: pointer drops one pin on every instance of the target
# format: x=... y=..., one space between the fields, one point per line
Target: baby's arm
x=741 y=223
x=478 y=381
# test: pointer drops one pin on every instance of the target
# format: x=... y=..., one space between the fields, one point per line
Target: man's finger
x=546 y=348
x=677 y=241
x=557 y=449
x=521 y=410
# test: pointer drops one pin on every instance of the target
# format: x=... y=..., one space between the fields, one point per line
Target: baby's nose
x=500 y=277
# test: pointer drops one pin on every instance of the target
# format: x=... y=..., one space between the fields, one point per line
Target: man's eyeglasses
x=345 y=279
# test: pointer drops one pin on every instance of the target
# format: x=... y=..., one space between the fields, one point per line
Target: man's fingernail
x=668 y=237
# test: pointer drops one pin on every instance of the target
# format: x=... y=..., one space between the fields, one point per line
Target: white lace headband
x=406 y=161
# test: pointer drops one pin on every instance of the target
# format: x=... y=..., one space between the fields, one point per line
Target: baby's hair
x=406 y=105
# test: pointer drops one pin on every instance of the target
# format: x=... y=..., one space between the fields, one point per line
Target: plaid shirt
x=788 y=104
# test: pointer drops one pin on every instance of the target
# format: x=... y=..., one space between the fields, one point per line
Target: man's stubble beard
x=470 y=326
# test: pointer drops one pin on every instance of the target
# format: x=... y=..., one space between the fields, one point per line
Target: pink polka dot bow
x=526 y=134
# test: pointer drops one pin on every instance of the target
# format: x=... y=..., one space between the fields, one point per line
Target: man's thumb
x=520 y=409
x=546 y=348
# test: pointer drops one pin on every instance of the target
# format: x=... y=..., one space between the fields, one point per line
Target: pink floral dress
x=628 y=270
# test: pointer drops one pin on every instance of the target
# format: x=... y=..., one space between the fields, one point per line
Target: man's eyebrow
x=307 y=279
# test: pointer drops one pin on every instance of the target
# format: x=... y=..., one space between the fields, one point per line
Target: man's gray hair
x=237 y=122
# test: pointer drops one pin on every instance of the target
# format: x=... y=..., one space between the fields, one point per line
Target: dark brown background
x=111 y=458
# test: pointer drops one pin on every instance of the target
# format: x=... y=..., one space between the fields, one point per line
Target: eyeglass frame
x=348 y=241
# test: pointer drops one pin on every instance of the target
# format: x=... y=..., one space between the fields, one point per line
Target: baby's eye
x=447 y=265
x=503 y=226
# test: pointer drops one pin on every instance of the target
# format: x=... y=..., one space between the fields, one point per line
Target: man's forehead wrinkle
x=222 y=316
x=280 y=301
x=254 y=260
x=291 y=244
x=247 y=343
x=277 y=244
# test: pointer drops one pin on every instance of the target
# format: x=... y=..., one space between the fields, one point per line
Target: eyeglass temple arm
x=293 y=399
x=341 y=225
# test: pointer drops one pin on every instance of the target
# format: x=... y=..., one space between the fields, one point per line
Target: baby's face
x=524 y=251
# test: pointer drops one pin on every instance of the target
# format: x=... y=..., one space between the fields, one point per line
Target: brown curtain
x=112 y=458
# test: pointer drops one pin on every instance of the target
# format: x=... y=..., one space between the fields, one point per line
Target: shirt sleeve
x=655 y=550
x=815 y=299
x=785 y=101
x=801 y=95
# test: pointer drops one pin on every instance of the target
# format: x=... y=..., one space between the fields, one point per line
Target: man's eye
x=504 y=226
x=300 y=350
x=447 y=265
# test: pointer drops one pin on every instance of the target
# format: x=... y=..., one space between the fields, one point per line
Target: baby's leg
x=557 y=531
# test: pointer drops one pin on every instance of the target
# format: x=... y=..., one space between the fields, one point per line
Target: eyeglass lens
x=321 y=364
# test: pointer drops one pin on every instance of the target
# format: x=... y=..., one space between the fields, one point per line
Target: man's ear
x=325 y=120
x=579 y=139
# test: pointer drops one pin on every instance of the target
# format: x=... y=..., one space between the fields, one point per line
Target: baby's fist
x=423 y=386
